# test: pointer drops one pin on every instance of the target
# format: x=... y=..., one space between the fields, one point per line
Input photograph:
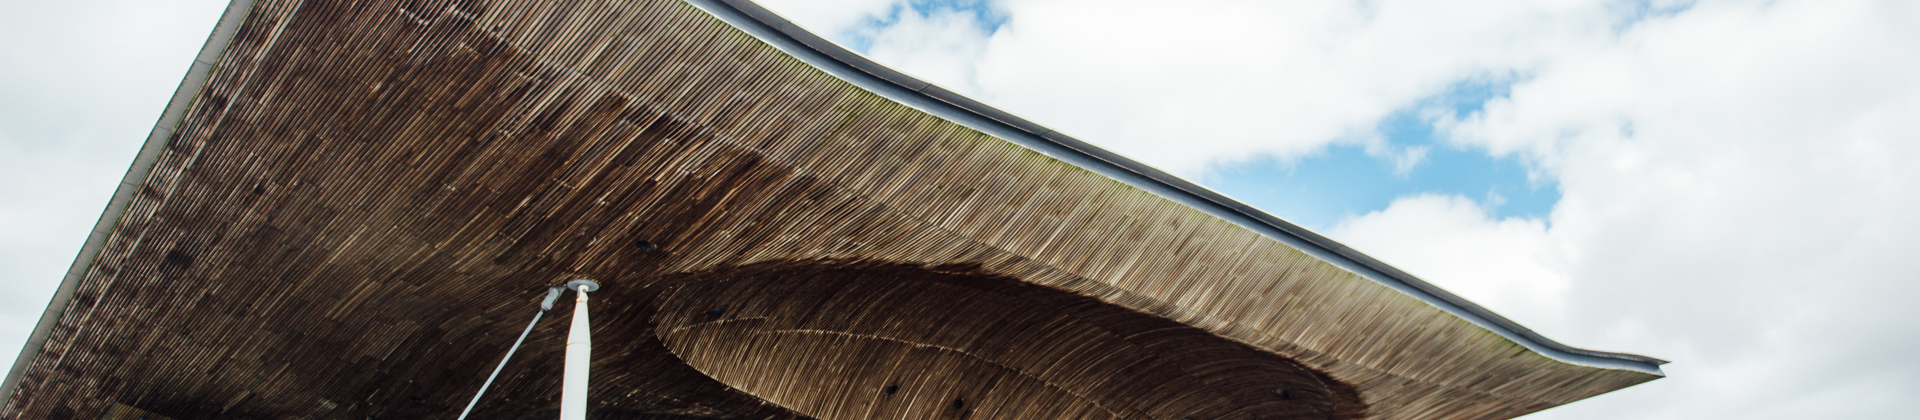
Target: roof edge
x=773 y=29
x=176 y=110
x=855 y=68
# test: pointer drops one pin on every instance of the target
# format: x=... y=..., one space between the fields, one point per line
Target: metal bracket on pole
x=553 y=294
x=592 y=286
x=573 y=387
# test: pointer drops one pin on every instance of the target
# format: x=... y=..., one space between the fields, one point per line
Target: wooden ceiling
x=362 y=205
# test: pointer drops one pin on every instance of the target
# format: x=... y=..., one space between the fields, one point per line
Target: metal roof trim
x=852 y=67
x=163 y=130
x=855 y=68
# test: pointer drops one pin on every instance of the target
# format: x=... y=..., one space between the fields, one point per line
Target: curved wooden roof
x=351 y=205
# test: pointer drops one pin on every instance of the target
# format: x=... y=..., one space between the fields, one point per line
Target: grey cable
x=553 y=292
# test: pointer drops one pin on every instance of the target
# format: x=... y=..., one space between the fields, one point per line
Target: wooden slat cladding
x=123 y=412
x=368 y=196
x=1003 y=348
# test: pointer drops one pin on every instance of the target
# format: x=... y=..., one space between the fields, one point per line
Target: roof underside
x=355 y=211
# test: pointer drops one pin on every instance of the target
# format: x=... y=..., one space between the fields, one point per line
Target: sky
x=1725 y=184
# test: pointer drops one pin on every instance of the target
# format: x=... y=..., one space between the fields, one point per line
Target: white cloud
x=1508 y=265
x=1235 y=79
x=78 y=93
x=1737 y=191
x=940 y=47
x=832 y=18
x=1737 y=197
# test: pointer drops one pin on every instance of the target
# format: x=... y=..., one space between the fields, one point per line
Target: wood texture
x=1000 y=347
x=123 y=412
x=363 y=205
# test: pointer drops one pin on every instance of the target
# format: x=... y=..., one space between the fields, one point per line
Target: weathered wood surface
x=123 y=412
x=361 y=208
x=954 y=343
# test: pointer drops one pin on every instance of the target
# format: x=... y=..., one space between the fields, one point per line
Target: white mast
x=573 y=387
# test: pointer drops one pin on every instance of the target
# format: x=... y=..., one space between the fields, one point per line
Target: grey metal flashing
x=163 y=130
x=865 y=73
x=857 y=69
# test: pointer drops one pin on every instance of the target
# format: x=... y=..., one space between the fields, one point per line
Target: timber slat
x=364 y=202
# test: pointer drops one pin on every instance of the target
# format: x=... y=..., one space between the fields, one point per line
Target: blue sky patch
x=1633 y=12
x=1319 y=190
x=990 y=20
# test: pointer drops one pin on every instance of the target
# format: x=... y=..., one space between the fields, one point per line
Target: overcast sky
x=1726 y=184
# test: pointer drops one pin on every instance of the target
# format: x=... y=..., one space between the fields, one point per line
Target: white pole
x=573 y=388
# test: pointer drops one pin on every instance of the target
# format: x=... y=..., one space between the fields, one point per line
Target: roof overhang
x=270 y=180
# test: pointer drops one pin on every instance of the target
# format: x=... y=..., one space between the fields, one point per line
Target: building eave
x=163 y=130
x=853 y=67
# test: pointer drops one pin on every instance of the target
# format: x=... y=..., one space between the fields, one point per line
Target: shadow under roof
x=349 y=206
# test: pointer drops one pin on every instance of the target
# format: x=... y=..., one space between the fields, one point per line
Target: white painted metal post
x=573 y=388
